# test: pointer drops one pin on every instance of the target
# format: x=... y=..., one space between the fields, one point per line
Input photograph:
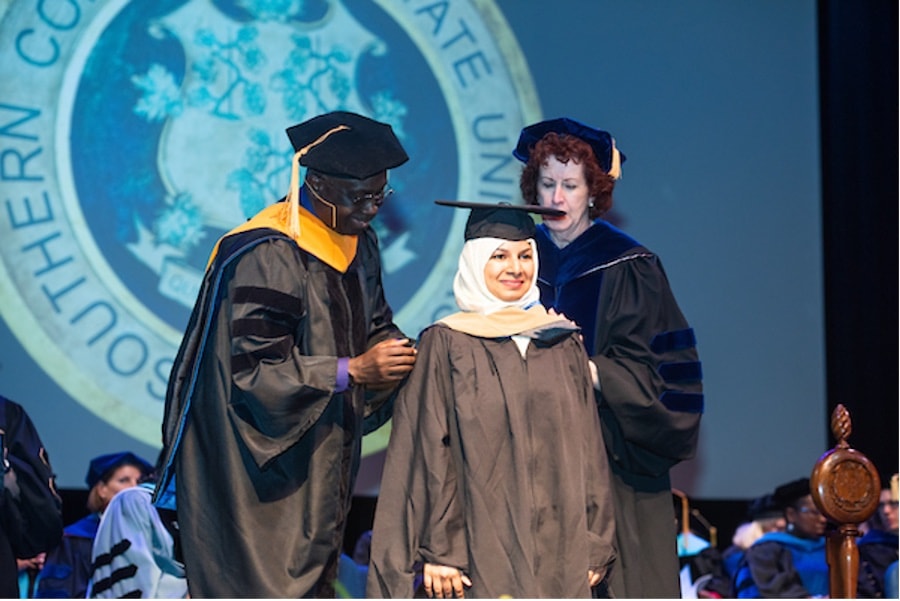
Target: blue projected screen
x=134 y=134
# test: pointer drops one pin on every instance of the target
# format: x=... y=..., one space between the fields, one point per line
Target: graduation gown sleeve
x=379 y=404
x=651 y=393
x=284 y=380
x=420 y=511
x=133 y=553
x=279 y=391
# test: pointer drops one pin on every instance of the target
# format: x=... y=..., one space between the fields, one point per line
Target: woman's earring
x=790 y=527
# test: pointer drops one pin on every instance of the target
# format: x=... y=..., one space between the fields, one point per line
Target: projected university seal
x=134 y=134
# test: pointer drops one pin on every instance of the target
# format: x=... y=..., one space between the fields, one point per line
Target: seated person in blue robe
x=790 y=563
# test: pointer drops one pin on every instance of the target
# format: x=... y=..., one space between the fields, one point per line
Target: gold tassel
x=293 y=195
x=615 y=169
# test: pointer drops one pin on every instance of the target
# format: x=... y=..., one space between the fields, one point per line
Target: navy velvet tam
x=502 y=220
x=600 y=141
x=362 y=147
x=102 y=467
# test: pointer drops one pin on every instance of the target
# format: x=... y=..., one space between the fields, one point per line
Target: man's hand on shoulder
x=385 y=363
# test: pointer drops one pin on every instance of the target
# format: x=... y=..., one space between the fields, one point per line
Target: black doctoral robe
x=261 y=452
x=650 y=398
x=30 y=508
x=495 y=466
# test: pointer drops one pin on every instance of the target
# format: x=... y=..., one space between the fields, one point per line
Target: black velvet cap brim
x=366 y=148
x=500 y=220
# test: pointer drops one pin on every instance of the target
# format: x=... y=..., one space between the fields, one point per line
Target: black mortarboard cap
x=763 y=507
x=600 y=141
x=364 y=148
x=788 y=494
x=500 y=220
x=100 y=467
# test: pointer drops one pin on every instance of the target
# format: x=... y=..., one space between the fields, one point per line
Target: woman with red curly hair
x=647 y=378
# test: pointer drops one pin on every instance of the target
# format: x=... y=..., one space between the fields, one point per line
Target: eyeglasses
x=357 y=200
x=373 y=197
x=810 y=510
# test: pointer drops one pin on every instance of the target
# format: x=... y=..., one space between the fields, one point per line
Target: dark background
x=858 y=74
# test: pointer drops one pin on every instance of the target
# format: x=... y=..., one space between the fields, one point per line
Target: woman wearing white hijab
x=496 y=480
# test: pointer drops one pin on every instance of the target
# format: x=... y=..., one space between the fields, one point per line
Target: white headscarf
x=471 y=290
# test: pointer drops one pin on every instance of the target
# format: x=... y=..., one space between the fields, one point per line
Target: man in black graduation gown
x=288 y=359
